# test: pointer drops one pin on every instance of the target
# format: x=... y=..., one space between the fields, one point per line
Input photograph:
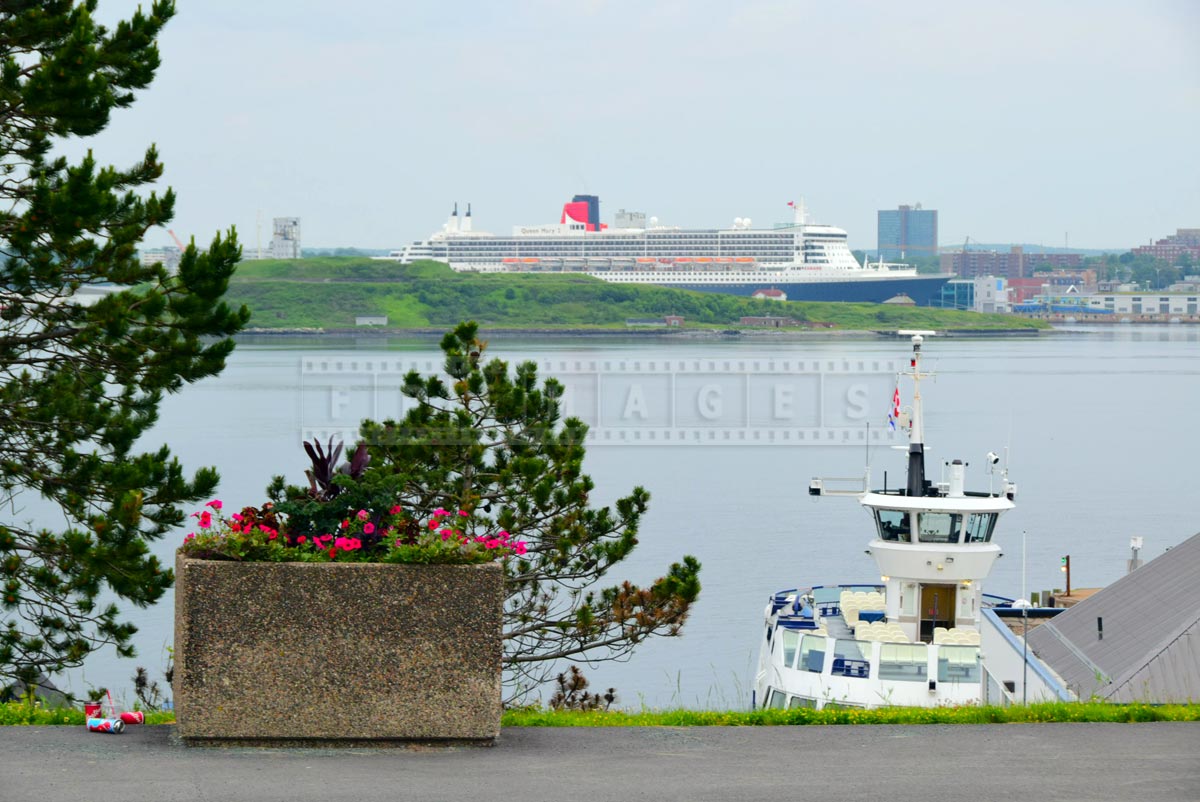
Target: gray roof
x=1151 y=646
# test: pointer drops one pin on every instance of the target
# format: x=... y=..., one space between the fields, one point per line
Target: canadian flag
x=791 y=203
x=894 y=415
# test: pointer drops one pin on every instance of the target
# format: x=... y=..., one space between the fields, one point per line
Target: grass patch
x=329 y=292
x=1024 y=714
x=23 y=713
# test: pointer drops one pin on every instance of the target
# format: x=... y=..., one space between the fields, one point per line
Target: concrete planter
x=337 y=654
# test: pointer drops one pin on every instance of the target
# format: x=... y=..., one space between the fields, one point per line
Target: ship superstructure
x=913 y=638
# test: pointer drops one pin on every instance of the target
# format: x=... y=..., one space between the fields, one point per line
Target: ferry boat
x=913 y=637
x=804 y=260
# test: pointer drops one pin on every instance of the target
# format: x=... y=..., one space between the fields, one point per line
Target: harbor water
x=1100 y=427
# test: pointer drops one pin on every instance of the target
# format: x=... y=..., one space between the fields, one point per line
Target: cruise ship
x=797 y=261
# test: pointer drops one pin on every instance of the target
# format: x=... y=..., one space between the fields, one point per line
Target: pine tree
x=493 y=444
x=81 y=382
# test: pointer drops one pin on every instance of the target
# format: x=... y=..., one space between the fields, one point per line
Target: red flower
x=333 y=552
x=302 y=539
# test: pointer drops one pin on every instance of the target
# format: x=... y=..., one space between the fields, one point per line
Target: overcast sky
x=1018 y=122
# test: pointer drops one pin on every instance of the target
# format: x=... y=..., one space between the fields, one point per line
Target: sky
x=1054 y=122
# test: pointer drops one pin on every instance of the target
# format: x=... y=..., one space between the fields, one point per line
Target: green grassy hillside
x=329 y=292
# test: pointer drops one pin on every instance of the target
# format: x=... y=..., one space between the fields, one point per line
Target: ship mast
x=917 y=486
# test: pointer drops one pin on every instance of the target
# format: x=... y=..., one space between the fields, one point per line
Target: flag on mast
x=894 y=415
x=792 y=204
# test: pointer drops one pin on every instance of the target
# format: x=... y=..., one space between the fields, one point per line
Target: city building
x=1171 y=249
x=285 y=240
x=1146 y=303
x=1014 y=264
x=907 y=231
x=168 y=256
x=1022 y=290
x=982 y=294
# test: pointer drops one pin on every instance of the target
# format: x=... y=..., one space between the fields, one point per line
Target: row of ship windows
x=688 y=252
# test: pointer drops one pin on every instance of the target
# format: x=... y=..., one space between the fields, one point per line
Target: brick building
x=1170 y=249
x=1014 y=264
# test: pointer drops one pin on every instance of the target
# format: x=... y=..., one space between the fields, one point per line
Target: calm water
x=1102 y=427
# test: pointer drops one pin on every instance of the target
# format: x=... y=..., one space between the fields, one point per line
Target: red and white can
x=134 y=717
x=91 y=710
x=110 y=725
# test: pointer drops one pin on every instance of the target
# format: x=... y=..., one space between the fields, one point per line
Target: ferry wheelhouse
x=913 y=637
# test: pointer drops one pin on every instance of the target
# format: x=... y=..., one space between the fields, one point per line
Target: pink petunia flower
x=440 y=511
x=237 y=516
x=302 y=539
x=520 y=548
x=394 y=510
x=205 y=520
x=463 y=513
x=368 y=528
x=363 y=515
x=215 y=504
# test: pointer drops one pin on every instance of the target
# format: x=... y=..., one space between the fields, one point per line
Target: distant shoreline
x=636 y=333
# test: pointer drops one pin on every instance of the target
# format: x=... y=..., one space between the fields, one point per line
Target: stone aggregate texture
x=337 y=653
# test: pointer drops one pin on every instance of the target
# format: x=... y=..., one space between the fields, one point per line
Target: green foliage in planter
x=491 y=446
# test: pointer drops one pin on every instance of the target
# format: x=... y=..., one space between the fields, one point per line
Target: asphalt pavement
x=945 y=763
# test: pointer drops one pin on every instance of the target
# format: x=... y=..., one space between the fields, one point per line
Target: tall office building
x=908 y=231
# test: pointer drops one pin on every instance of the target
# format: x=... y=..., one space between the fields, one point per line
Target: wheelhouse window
x=812 y=653
x=938 y=527
x=979 y=527
x=791 y=640
x=893 y=525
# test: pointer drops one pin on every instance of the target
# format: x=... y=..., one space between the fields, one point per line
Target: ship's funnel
x=957 y=479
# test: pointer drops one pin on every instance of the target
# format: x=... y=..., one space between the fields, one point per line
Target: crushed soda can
x=110 y=725
x=134 y=717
